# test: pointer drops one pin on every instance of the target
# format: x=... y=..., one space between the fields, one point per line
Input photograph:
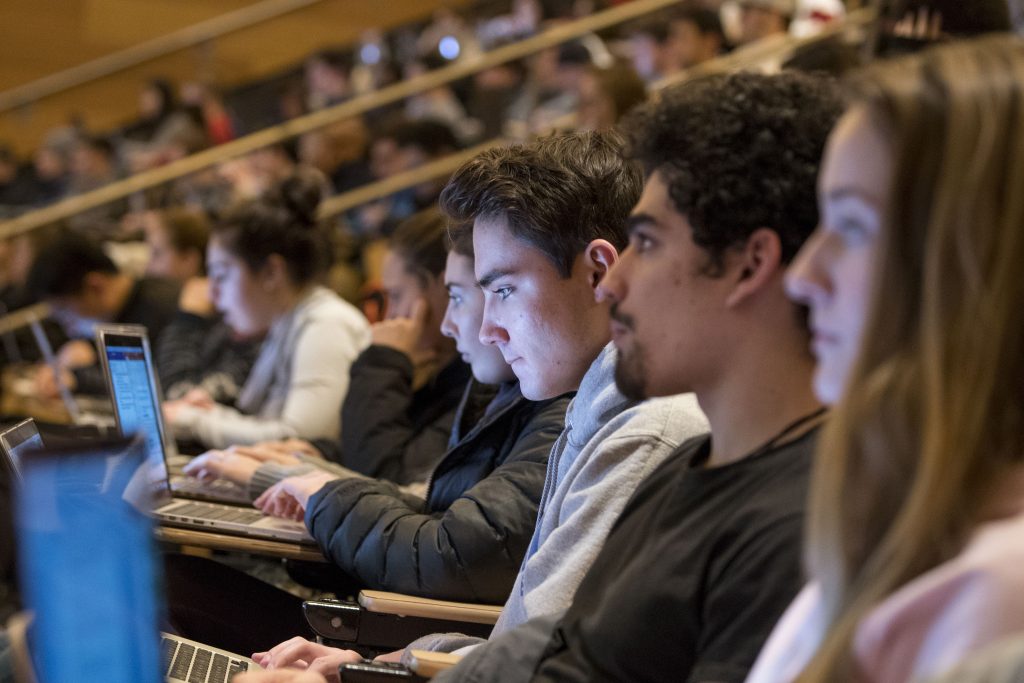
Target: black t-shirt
x=694 y=575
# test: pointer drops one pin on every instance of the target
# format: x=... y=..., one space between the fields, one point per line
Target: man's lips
x=619 y=329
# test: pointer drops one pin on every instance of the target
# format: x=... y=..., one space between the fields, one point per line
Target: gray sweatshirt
x=609 y=445
x=298 y=381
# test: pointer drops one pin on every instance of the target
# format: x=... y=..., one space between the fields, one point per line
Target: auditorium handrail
x=772 y=48
x=23 y=317
x=738 y=59
x=334 y=206
x=148 y=51
x=401 y=181
x=747 y=56
x=325 y=117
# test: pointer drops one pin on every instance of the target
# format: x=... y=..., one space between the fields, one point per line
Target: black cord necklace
x=771 y=443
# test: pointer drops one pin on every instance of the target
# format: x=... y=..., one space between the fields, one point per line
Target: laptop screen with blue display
x=87 y=564
x=133 y=391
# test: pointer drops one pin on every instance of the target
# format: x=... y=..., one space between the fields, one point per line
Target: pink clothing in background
x=926 y=627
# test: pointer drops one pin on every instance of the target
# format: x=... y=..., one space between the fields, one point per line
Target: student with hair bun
x=265 y=259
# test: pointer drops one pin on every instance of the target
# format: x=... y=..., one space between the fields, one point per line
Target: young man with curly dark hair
x=706 y=555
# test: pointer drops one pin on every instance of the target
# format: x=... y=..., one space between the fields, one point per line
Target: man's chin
x=629 y=380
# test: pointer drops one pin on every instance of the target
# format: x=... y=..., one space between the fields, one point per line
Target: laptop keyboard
x=218 y=489
x=220 y=513
x=198 y=665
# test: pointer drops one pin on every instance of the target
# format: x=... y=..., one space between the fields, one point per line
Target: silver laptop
x=83 y=409
x=90 y=574
x=135 y=393
x=219 y=491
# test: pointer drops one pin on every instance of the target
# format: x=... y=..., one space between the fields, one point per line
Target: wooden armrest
x=382 y=622
x=383 y=602
x=429 y=664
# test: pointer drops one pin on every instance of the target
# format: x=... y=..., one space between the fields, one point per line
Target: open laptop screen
x=133 y=391
x=87 y=564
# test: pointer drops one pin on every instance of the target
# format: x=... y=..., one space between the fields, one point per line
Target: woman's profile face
x=236 y=291
x=833 y=273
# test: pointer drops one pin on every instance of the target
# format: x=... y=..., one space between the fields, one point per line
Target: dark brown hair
x=283 y=222
x=558 y=193
x=420 y=241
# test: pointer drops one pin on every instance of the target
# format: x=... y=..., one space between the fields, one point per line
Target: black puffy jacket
x=389 y=431
x=467 y=540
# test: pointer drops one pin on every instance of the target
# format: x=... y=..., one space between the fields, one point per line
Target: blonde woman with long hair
x=915 y=282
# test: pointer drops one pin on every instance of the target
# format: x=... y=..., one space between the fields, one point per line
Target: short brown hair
x=558 y=193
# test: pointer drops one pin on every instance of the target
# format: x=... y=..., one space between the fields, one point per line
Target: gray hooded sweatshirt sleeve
x=609 y=445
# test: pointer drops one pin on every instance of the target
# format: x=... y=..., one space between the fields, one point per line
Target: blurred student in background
x=83 y=287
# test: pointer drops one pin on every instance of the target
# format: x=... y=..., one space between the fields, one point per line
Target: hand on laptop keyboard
x=222 y=465
x=321 y=659
x=288 y=498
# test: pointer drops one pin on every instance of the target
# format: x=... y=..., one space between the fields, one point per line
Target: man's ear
x=598 y=259
x=757 y=264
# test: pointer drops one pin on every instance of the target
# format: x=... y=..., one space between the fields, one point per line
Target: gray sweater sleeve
x=511 y=657
x=269 y=473
x=439 y=642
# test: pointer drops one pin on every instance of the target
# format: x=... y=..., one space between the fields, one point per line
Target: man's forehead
x=496 y=248
x=655 y=207
x=491 y=225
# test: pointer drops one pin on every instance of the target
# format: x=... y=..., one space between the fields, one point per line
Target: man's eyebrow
x=637 y=220
x=493 y=275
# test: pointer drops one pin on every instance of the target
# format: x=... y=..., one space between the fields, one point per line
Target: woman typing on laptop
x=265 y=258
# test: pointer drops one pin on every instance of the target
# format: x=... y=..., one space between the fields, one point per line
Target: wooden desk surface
x=214 y=541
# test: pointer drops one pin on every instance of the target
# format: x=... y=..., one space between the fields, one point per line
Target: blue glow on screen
x=88 y=570
x=134 y=399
